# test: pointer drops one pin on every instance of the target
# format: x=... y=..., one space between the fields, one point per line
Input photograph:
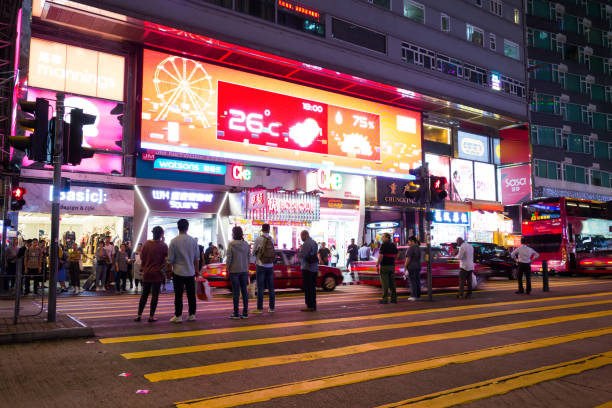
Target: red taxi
x=444 y=270
x=596 y=263
x=287 y=273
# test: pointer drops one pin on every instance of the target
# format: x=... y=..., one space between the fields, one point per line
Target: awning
x=486 y=205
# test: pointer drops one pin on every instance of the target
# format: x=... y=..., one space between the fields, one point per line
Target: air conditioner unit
x=559 y=8
x=564 y=98
x=596 y=166
x=588 y=51
x=587 y=23
x=594 y=136
x=561 y=38
x=591 y=108
x=567 y=160
x=563 y=68
x=590 y=79
x=567 y=129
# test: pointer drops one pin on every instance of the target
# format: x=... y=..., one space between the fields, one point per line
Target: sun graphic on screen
x=185 y=88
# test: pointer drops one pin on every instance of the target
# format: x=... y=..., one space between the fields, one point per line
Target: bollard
x=545 y=276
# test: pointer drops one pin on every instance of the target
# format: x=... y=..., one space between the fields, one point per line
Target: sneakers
x=308 y=309
x=383 y=302
x=176 y=319
x=152 y=319
x=191 y=318
x=393 y=300
x=412 y=299
x=137 y=319
x=234 y=317
x=257 y=311
x=270 y=310
x=244 y=316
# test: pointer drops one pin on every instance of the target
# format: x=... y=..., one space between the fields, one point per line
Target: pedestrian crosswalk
x=320 y=359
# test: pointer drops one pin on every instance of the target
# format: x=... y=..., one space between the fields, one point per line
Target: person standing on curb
x=136 y=262
x=310 y=270
x=183 y=256
x=413 y=268
x=74 y=269
x=237 y=266
x=153 y=258
x=386 y=268
x=324 y=254
x=352 y=254
x=264 y=264
x=101 y=267
x=525 y=255
x=465 y=255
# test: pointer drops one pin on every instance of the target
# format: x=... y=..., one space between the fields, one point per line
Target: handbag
x=203 y=291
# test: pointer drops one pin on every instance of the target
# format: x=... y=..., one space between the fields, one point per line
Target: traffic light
x=73 y=150
x=17 y=201
x=36 y=146
x=414 y=190
x=437 y=189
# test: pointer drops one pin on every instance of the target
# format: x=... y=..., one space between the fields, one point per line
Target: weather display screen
x=190 y=107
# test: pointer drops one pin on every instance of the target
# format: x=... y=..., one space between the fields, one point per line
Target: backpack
x=266 y=254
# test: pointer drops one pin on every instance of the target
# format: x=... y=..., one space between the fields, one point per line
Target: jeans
x=181 y=282
x=239 y=286
x=463 y=277
x=100 y=275
x=524 y=269
x=146 y=289
x=415 y=282
x=265 y=277
x=310 y=288
x=387 y=279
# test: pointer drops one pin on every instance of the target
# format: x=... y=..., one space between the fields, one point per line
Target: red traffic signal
x=438 y=189
x=17 y=201
x=19 y=192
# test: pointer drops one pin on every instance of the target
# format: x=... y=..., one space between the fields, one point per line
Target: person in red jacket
x=154 y=257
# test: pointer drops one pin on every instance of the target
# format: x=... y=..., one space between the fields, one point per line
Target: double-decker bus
x=564 y=230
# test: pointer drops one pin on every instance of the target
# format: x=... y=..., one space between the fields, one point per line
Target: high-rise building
x=570 y=78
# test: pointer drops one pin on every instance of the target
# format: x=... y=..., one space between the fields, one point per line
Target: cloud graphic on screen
x=355 y=143
x=304 y=133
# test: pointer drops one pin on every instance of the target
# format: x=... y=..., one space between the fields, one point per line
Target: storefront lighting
x=280 y=190
x=300 y=191
x=259 y=187
x=146 y=216
x=218 y=218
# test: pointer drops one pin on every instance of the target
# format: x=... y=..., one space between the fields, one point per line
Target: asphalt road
x=497 y=349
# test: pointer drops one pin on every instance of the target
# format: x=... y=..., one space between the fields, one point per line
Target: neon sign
x=274 y=206
x=299 y=9
x=326 y=180
x=241 y=173
x=182 y=200
x=94 y=196
x=451 y=217
x=189 y=166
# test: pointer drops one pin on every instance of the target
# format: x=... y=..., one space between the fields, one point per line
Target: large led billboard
x=484 y=178
x=191 y=107
x=462 y=180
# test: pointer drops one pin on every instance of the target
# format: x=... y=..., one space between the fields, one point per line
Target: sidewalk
x=33 y=326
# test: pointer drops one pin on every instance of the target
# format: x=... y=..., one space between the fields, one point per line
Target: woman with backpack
x=263 y=249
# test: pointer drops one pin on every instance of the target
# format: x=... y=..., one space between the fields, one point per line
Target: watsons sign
x=189 y=166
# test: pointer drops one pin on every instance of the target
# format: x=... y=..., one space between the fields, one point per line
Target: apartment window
x=492 y=42
x=578 y=144
x=587 y=115
x=608 y=94
x=600 y=121
x=298 y=21
x=511 y=50
x=436 y=134
x=600 y=178
x=602 y=150
x=258 y=8
x=538 y=8
x=414 y=11
x=474 y=34
x=444 y=22
x=358 y=35
x=571 y=112
x=495 y=7
x=598 y=93
x=596 y=64
x=382 y=3
x=546 y=104
x=575 y=174
x=548 y=136
x=548 y=169
x=517 y=16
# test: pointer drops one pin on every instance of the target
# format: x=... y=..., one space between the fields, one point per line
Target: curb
x=351 y=283
x=54 y=334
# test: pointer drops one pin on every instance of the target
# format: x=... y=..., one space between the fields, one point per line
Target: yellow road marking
x=343 y=379
x=344 y=332
x=505 y=384
x=605 y=405
x=359 y=348
x=194 y=333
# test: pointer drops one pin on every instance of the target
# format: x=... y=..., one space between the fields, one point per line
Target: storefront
x=489 y=226
x=161 y=206
x=87 y=214
x=389 y=211
x=447 y=226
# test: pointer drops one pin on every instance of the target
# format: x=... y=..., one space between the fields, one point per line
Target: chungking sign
x=67 y=68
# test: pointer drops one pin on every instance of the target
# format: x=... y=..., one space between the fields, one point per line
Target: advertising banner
x=473 y=147
x=181 y=200
x=484 y=176
x=515 y=184
x=462 y=180
x=515 y=145
x=66 y=68
x=267 y=205
x=190 y=107
x=80 y=200
x=390 y=192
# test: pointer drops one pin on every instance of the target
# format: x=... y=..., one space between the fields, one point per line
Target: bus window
x=570 y=232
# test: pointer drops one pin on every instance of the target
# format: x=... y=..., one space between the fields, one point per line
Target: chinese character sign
x=273 y=206
x=451 y=217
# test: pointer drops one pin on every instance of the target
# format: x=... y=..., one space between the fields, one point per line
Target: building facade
x=570 y=76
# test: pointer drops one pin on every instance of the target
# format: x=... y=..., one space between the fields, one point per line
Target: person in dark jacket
x=310 y=270
x=237 y=265
x=154 y=256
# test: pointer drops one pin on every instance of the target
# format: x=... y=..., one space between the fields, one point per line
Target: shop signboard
x=181 y=200
x=223 y=115
x=171 y=169
x=336 y=185
x=67 y=68
x=80 y=200
x=339 y=203
x=515 y=184
x=514 y=145
x=484 y=177
x=473 y=147
x=289 y=206
x=163 y=163
x=462 y=180
x=451 y=217
x=390 y=192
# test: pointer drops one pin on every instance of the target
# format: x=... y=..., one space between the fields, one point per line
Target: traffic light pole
x=58 y=148
x=427 y=223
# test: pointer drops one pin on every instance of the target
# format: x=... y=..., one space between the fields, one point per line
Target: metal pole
x=427 y=224
x=545 y=287
x=7 y=189
x=58 y=147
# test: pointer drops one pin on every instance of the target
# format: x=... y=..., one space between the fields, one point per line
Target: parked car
x=597 y=263
x=287 y=273
x=494 y=256
x=444 y=270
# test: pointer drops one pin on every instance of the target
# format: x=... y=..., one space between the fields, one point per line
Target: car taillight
x=587 y=262
x=224 y=273
x=563 y=255
x=609 y=262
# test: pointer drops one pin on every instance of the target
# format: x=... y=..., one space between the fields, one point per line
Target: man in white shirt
x=184 y=256
x=524 y=255
x=263 y=249
x=364 y=252
x=465 y=255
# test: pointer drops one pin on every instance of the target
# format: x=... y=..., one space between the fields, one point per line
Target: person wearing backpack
x=264 y=264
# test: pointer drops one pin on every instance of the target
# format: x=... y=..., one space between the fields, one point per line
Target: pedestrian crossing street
x=405 y=355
